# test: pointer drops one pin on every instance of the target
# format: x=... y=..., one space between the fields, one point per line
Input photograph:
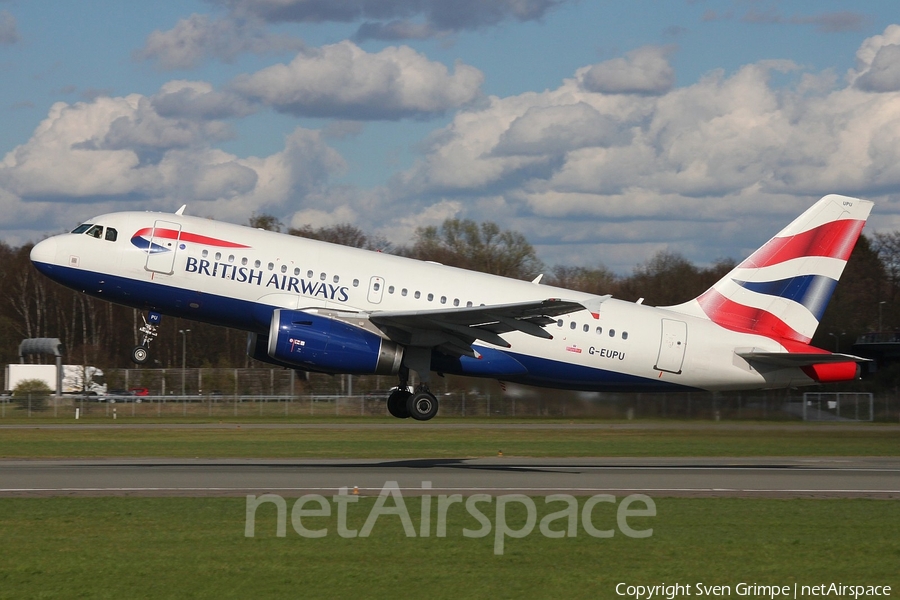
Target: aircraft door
x=672 y=346
x=163 y=246
x=376 y=289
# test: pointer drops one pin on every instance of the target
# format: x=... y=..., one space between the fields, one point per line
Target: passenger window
x=257 y=264
x=572 y=325
x=599 y=330
x=244 y=261
x=612 y=333
x=391 y=290
x=284 y=268
x=443 y=299
x=456 y=302
x=356 y=283
x=296 y=271
x=96 y=231
x=376 y=286
x=586 y=328
x=403 y=292
x=559 y=323
x=418 y=295
x=624 y=335
x=322 y=276
x=271 y=266
x=336 y=278
x=218 y=256
x=430 y=297
x=231 y=258
x=205 y=253
x=469 y=304
x=309 y=274
x=111 y=234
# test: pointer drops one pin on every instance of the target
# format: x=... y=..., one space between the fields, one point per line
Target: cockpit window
x=96 y=231
x=82 y=228
x=111 y=234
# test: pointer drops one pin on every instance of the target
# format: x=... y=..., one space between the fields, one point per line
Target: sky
x=605 y=132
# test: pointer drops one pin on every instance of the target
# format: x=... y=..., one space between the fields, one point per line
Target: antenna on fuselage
x=180 y=211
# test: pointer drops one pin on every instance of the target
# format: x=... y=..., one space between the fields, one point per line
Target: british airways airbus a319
x=320 y=307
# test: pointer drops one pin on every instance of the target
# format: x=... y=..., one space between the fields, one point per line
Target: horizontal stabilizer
x=799 y=359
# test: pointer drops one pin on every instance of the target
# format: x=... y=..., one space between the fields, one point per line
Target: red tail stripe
x=834 y=240
x=737 y=317
x=195 y=238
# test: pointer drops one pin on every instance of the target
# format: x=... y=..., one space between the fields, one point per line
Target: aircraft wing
x=454 y=330
x=798 y=359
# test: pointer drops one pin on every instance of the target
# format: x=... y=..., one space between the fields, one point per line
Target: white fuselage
x=236 y=276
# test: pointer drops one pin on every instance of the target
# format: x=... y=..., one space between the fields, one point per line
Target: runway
x=806 y=477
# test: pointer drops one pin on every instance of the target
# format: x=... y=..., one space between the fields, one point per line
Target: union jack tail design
x=782 y=289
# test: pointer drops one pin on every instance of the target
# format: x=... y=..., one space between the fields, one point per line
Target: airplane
x=319 y=307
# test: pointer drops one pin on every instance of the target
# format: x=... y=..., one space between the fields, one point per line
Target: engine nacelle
x=320 y=343
x=258 y=349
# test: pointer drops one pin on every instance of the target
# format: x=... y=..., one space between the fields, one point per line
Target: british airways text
x=272 y=280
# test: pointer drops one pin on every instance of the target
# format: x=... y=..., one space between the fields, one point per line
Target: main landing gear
x=140 y=354
x=404 y=402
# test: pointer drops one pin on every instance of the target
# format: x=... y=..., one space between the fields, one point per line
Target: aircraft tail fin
x=782 y=289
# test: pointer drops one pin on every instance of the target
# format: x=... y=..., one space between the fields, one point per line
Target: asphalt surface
x=802 y=477
x=483 y=425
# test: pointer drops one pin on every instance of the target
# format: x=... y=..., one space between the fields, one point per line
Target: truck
x=76 y=379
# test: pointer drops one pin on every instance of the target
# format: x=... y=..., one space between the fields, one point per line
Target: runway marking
x=451 y=489
x=785 y=468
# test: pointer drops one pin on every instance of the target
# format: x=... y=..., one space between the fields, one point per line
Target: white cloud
x=198 y=38
x=343 y=81
x=318 y=218
x=114 y=152
x=704 y=160
x=876 y=62
x=9 y=32
x=391 y=19
x=198 y=100
x=555 y=129
x=642 y=71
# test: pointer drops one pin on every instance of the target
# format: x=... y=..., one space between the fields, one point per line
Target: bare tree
x=479 y=247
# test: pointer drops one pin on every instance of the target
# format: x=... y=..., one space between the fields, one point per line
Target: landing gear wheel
x=396 y=404
x=422 y=405
x=140 y=354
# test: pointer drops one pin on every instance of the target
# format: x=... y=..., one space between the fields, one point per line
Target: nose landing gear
x=141 y=353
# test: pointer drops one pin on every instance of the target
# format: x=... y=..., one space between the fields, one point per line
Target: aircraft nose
x=44 y=252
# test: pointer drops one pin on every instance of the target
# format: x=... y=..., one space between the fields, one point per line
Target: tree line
x=99 y=333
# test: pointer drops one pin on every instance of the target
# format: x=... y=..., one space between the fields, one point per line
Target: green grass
x=417 y=442
x=195 y=548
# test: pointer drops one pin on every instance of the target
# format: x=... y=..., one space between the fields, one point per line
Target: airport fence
x=693 y=406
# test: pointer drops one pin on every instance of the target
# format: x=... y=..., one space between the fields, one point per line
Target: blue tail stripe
x=812 y=291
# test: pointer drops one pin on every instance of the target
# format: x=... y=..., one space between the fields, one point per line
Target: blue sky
x=603 y=131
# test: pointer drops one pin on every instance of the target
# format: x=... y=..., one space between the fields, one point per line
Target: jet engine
x=327 y=343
